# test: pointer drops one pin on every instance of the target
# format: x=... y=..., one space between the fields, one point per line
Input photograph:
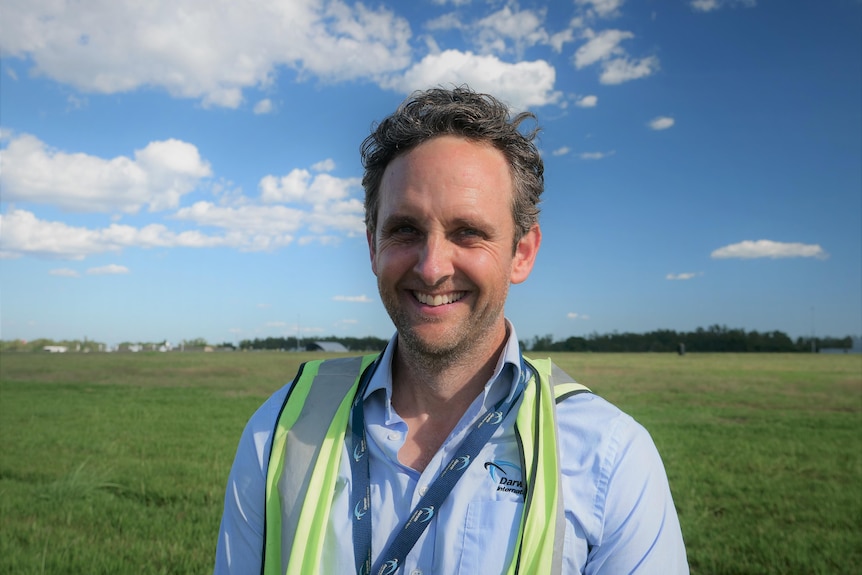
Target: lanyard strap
x=392 y=559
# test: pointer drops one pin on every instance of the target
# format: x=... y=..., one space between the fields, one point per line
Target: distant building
x=333 y=346
x=56 y=348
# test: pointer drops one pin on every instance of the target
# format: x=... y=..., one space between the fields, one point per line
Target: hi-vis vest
x=308 y=443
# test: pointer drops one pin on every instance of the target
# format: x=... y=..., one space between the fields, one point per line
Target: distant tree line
x=716 y=338
x=368 y=343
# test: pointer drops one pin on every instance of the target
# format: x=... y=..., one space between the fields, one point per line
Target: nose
x=435 y=260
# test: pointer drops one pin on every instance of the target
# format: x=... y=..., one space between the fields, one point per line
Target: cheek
x=487 y=266
x=389 y=261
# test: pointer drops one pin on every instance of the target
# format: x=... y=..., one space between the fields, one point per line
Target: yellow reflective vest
x=308 y=443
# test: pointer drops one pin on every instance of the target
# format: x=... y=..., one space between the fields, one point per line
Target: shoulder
x=256 y=438
x=604 y=451
x=615 y=488
x=589 y=423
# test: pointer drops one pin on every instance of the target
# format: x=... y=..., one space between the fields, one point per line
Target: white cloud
x=523 y=28
x=661 y=123
x=521 y=85
x=561 y=151
x=158 y=176
x=64 y=272
x=601 y=46
x=683 y=276
x=299 y=186
x=322 y=208
x=769 y=249
x=601 y=8
x=509 y=29
x=263 y=107
x=617 y=66
x=573 y=315
x=209 y=50
x=558 y=40
x=24 y=234
x=450 y=21
x=587 y=102
x=353 y=298
x=270 y=225
x=76 y=102
x=266 y=227
x=326 y=165
x=111 y=269
x=246 y=228
x=595 y=155
x=712 y=5
x=624 y=69
x=704 y=5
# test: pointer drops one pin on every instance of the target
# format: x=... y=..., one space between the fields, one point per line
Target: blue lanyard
x=360 y=497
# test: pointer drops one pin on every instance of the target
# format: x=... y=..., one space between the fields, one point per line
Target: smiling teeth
x=435 y=300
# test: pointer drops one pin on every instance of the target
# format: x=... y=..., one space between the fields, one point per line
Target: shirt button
x=394 y=436
x=422 y=491
x=416 y=572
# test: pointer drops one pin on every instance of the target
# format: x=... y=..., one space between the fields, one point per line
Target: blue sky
x=174 y=170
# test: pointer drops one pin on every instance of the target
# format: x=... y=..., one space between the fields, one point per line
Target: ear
x=372 y=251
x=525 y=255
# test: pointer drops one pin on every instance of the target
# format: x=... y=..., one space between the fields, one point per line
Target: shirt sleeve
x=632 y=524
x=240 y=538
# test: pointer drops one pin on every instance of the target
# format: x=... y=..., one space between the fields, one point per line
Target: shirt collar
x=502 y=384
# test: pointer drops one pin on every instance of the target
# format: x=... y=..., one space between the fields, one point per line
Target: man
x=449 y=453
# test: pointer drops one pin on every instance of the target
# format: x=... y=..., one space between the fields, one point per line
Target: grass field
x=117 y=463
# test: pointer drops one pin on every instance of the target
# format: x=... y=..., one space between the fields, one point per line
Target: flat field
x=116 y=463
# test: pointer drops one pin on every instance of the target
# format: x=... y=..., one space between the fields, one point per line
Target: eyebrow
x=398 y=220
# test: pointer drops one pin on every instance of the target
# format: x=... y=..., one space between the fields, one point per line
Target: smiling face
x=443 y=249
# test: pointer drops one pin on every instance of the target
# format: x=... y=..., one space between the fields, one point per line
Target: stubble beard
x=456 y=345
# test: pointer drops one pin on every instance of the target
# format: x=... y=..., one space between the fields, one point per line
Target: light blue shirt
x=620 y=516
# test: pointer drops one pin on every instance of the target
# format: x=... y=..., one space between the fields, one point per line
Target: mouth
x=438 y=299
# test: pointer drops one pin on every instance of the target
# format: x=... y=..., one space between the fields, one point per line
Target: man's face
x=443 y=252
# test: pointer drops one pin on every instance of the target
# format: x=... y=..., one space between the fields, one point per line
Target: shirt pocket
x=490 y=536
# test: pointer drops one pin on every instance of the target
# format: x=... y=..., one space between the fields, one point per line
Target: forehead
x=447 y=173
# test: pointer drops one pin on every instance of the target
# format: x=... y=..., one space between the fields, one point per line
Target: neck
x=432 y=396
x=441 y=385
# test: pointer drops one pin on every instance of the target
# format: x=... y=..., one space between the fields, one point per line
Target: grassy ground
x=117 y=463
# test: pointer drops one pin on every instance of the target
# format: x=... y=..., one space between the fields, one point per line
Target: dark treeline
x=368 y=343
x=713 y=339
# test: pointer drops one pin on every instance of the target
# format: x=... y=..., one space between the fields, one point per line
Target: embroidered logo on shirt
x=507 y=476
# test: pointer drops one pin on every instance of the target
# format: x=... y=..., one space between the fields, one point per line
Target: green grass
x=117 y=463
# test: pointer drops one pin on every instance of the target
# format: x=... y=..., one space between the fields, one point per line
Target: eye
x=401 y=232
x=404 y=230
x=469 y=234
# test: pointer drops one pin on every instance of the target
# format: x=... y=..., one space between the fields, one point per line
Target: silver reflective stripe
x=559 y=376
x=334 y=379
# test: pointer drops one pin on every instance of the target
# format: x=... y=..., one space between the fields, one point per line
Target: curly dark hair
x=457 y=112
